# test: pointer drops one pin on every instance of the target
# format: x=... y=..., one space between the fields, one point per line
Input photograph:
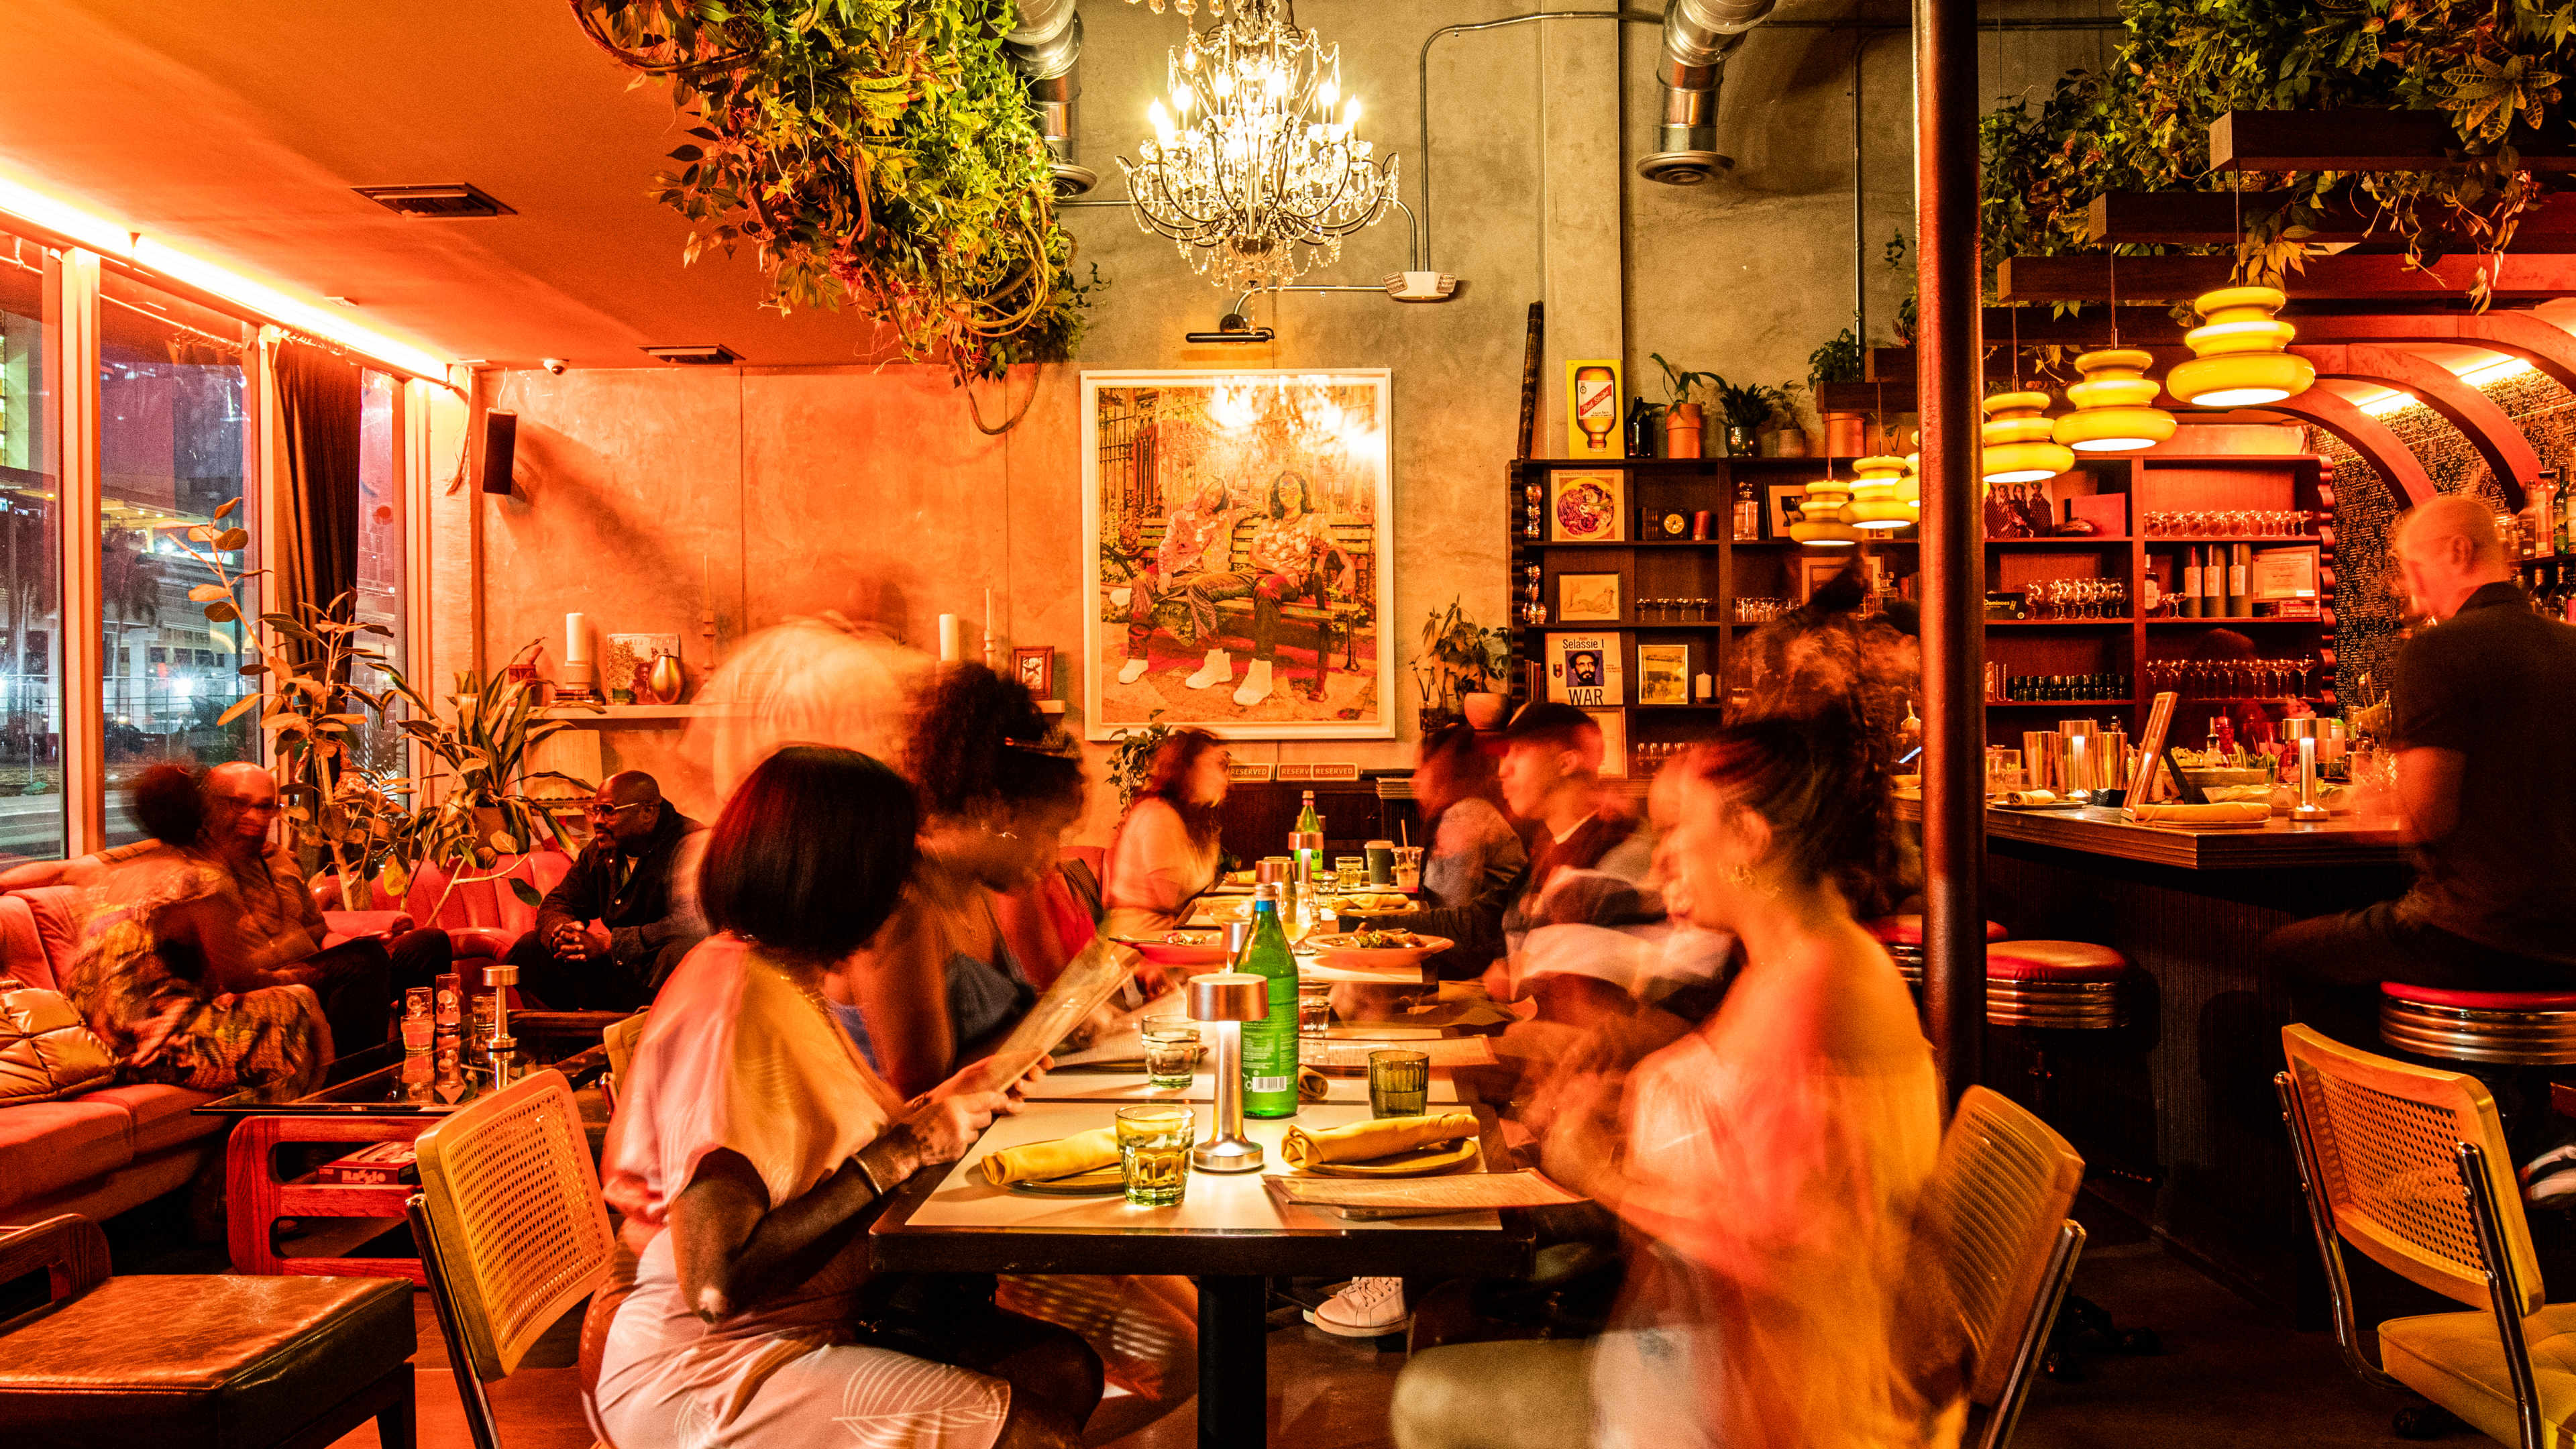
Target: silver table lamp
x=1224 y=1001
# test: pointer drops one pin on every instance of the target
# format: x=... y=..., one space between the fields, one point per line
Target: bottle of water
x=1270 y=1044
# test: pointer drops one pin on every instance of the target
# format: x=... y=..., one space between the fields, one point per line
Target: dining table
x=1228 y=1232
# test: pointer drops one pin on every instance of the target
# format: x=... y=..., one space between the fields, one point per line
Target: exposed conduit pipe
x=1698 y=34
x=1044 y=49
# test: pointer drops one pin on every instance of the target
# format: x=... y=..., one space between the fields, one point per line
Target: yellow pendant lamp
x=1910 y=488
x=2114 y=409
x=1822 y=517
x=2019 y=446
x=1877 y=502
x=2240 y=353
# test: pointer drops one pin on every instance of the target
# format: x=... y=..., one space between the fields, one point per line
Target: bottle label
x=1268 y=1084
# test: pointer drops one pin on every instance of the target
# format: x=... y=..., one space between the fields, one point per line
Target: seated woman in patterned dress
x=749 y=1138
x=159 y=944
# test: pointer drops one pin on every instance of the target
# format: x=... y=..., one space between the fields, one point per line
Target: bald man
x=281 y=938
x=2484 y=719
x=623 y=916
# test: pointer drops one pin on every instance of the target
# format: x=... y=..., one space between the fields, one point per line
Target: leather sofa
x=99 y=1153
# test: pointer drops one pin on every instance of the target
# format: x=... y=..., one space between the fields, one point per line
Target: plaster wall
x=647 y=497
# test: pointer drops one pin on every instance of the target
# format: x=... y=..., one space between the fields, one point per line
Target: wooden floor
x=2228 y=1375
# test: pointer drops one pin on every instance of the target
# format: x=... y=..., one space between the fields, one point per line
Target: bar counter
x=2174 y=1112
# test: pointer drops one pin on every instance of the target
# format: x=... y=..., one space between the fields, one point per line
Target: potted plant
x=1839 y=361
x=1684 y=423
x=1745 y=409
x=1131 y=756
x=1460 y=661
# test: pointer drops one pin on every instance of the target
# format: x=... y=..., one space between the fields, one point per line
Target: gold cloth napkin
x=2234 y=813
x=1312 y=1086
x=1362 y=1141
x=2030 y=797
x=1046 y=1161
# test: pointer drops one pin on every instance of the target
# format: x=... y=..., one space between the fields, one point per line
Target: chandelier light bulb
x=1328 y=94
x=2240 y=352
x=2113 y=404
x=1350 y=114
x=2020 y=443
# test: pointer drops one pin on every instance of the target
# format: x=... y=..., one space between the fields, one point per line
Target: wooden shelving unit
x=1723 y=570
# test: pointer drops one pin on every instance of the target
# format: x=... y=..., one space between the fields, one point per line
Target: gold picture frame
x=1588 y=599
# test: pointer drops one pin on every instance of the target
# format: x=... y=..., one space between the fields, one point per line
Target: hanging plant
x=2142 y=124
x=875 y=152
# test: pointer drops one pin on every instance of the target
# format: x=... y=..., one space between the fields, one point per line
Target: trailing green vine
x=2142 y=125
x=878 y=152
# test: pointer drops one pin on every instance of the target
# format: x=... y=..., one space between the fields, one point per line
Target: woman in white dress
x=748 y=1138
x=1765 y=1167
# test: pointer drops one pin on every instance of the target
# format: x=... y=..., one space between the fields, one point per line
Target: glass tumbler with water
x=1154 y=1152
x=1171 y=1051
x=1399 y=1083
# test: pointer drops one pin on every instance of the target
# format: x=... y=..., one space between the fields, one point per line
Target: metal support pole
x=1947 y=278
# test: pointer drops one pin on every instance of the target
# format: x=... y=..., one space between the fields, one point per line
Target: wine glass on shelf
x=2307 y=663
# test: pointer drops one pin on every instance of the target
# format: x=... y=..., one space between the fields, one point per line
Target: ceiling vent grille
x=715 y=355
x=450 y=202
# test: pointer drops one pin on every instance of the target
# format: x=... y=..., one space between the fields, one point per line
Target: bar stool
x=1903 y=938
x=2053 y=986
x=2492 y=1028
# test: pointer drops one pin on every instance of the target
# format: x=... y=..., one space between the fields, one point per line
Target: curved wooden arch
x=2365 y=435
x=2516 y=334
x=2507 y=453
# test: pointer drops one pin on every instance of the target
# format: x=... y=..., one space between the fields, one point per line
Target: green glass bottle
x=1270 y=1044
x=1306 y=842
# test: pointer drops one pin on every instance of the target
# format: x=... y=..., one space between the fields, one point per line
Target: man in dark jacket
x=617 y=923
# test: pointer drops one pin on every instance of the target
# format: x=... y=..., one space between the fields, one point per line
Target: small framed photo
x=1663 y=674
x=1815 y=573
x=1614 y=740
x=1587 y=507
x=1035 y=667
x=1784 y=501
x=1587 y=598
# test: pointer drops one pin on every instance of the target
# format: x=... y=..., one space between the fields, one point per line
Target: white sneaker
x=1256 y=684
x=1217 y=668
x=1365 y=1308
x=1131 y=671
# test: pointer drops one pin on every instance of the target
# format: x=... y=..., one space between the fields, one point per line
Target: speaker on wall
x=500 y=447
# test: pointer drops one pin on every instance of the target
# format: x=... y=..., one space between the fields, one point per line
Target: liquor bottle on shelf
x=2239 y=560
x=2191 y=585
x=1270 y=1044
x=2213 y=584
x=1748 y=512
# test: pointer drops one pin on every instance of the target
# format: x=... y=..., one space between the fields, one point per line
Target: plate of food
x=1222 y=911
x=1180 y=948
x=1376 y=950
x=1372 y=903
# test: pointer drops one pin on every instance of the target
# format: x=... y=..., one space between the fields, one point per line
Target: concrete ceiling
x=235 y=131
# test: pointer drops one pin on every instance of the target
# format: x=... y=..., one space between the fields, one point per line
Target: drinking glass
x=1399 y=1083
x=1171 y=1050
x=1408 y=867
x=1314 y=1009
x=1154 y=1152
x=1353 y=869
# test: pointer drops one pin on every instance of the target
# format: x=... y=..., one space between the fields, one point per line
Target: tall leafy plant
x=2493 y=66
x=879 y=152
x=1458 y=656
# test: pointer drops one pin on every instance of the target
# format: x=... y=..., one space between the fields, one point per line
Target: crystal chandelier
x=1253 y=171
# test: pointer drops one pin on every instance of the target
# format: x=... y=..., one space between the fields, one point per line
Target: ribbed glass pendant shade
x=1877 y=504
x=1910 y=487
x=2240 y=353
x=1822 y=519
x=2114 y=409
x=2020 y=443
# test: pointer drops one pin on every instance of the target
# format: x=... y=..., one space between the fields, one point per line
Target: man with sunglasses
x=613 y=928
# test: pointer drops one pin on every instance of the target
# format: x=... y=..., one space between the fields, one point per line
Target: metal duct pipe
x=1698 y=35
x=1044 y=49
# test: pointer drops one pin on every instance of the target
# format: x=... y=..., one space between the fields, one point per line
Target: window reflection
x=31 y=710
x=173 y=436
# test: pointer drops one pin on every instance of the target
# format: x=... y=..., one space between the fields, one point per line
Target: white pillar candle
x=988 y=628
x=576 y=639
x=951 y=640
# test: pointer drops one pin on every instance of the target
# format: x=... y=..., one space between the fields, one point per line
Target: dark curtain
x=318 y=397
